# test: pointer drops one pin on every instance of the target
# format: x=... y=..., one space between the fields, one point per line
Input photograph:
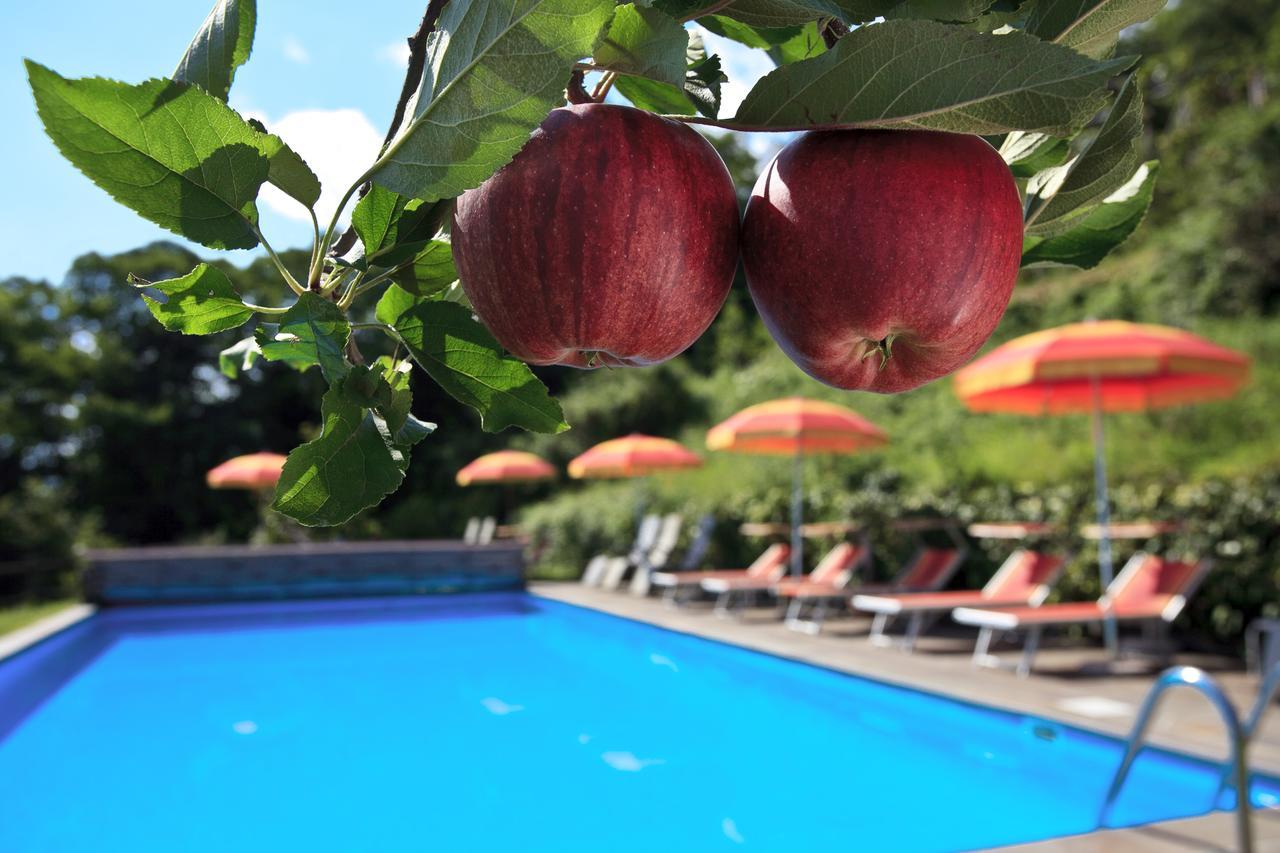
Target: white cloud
x=396 y=53
x=338 y=145
x=294 y=51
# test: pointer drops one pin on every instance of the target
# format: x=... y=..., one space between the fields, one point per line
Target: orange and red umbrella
x=506 y=466
x=256 y=471
x=1097 y=367
x=1112 y=365
x=632 y=456
x=794 y=427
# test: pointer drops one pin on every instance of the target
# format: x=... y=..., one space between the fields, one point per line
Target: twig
x=603 y=87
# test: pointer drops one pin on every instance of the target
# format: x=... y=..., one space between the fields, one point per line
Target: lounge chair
x=479 y=531
x=1024 y=579
x=769 y=567
x=664 y=534
x=1150 y=589
x=657 y=557
x=837 y=566
x=928 y=570
x=826 y=585
x=603 y=564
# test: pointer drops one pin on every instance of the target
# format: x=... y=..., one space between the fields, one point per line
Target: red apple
x=610 y=239
x=882 y=260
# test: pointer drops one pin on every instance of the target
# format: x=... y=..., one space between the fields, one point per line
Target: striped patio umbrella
x=632 y=456
x=1097 y=367
x=506 y=466
x=256 y=472
x=794 y=427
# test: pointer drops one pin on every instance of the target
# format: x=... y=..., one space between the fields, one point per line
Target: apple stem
x=883 y=348
x=832 y=30
x=575 y=91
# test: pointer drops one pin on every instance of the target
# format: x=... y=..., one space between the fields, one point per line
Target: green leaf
x=1105 y=163
x=788 y=13
x=654 y=96
x=431 y=272
x=405 y=429
x=202 y=302
x=494 y=69
x=1088 y=26
x=313 y=331
x=700 y=92
x=1029 y=153
x=924 y=74
x=781 y=13
x=1003 y=13
x=351 y=466
x=238 y=357
x=644 y=42
x=805 y=44
x=172 y=153
x=464 y=359
x=952 y=11
x=702 y=85
x=761 y=38
x=1101 y=230
x=287 y=171
x=220 y=47
x=377 y=217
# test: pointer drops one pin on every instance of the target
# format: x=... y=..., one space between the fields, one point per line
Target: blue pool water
x=508 y=722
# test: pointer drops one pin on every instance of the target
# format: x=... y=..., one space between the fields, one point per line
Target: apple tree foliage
x=1037 y=78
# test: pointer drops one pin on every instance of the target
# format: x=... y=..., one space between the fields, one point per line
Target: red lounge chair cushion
x=801 y=588
x=768 y=567
x=1021 y=575
x=929 y=569
x=1151 y=587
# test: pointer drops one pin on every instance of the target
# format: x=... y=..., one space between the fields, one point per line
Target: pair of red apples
x=879 y=260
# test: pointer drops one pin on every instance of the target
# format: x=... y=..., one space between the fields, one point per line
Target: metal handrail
x=1237 y=733
x=1270 y=687
x=1266 y=694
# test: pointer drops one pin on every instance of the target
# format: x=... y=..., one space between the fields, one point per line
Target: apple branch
x=412 y=79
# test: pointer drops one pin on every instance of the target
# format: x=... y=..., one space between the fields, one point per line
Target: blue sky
x=324 y=75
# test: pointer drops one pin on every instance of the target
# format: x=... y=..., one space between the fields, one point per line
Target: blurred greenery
x=109 y=422
x=19 y=616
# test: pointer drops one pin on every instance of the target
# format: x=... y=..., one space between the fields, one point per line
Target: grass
x=20 y=615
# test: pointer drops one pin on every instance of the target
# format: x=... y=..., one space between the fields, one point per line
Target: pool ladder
x=1238 y=733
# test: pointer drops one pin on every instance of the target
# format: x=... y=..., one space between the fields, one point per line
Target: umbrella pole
x=797 y=513
x=1106 y=567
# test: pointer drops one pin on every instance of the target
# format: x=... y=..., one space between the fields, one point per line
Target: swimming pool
x=509 y=722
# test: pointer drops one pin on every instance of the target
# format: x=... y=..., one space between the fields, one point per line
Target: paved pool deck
x=1068 y=685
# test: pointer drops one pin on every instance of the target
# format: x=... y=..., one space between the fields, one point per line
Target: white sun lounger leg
x=981 y=650
x=879 y=623
x=914 y=624
x=1029 y=649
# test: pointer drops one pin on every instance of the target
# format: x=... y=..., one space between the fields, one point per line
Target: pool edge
x=16 y=642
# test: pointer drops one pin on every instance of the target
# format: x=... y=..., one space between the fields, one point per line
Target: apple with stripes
x=882 y=260
x=610 y=240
